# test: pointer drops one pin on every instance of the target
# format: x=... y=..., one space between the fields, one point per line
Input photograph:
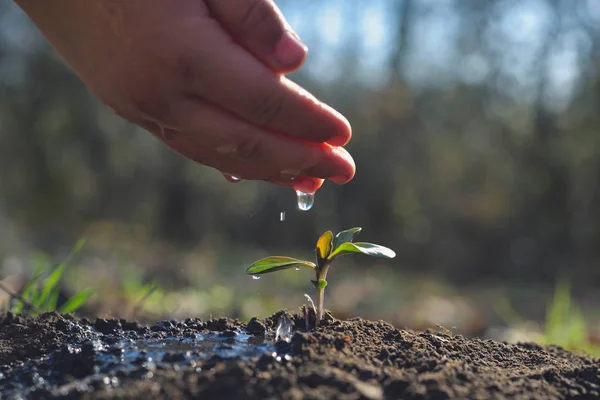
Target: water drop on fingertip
x=305 y=200
x=232 y=178
x=256 y=277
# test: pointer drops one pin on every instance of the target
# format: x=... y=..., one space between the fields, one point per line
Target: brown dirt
x=56 y=356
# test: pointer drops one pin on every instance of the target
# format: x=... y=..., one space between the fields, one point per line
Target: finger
x=259 y=26
x=218 y=139
x=301 y=183
x=236 y=170
x=238 y=82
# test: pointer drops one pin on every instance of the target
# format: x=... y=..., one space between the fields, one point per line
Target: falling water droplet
x=297 y=268
x=256 y=277
x=232 y=178
x=305 y=200
x=282 y=216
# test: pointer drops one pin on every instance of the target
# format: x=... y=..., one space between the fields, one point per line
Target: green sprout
x=327 y=249
x=41 y=293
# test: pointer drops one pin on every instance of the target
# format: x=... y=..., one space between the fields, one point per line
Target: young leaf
x=76 y=301
x=276 y=263
x=345 y=236
x=320 y=284
x=370 y=249
x=324 y=245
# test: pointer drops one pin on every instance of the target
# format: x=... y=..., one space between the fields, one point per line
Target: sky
x=435 y=60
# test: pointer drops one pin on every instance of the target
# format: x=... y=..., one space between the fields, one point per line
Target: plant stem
x=321 y=275
x=320 y=298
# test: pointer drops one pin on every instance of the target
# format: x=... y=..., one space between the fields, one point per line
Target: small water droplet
x=284 y=329
x=282 y=216
x=297 y=268
x=232 y=178
x=305 y=200
x=256 y=277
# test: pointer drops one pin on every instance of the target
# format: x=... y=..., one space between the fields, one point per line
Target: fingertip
x=345 y=164
x=307 y=185
x=302 y=183
x=343 y=130
x=290 y=52
x=340 y=180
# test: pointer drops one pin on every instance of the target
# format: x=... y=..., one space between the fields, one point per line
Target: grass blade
x=50 y=284
x=76 y=301
x=78 y=246
x=52 y=302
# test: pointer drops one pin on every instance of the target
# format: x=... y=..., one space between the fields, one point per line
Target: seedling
x=327 y=249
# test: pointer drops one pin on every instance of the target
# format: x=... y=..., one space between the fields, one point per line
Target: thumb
x=260 y=28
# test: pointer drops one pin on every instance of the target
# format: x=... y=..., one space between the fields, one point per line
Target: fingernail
x=337 y=141
x=290 y=49
x=340 y=180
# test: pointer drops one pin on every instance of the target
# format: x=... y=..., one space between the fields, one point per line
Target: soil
x=55 y=356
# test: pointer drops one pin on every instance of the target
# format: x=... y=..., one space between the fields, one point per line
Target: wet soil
x=56 y=356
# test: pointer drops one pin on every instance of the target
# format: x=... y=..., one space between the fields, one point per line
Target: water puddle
x=201 y=347
x=114 y=361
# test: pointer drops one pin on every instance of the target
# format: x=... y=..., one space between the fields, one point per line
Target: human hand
x=207 y=78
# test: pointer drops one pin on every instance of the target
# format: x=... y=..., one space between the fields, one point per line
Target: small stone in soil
x=256 y=327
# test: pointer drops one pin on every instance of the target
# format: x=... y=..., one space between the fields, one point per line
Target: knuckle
x=267 y=106
x=257 y=14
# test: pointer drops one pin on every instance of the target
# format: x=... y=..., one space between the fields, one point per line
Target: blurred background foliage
x=477 y=143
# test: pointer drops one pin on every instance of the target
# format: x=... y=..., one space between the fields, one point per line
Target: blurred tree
x=476 y=140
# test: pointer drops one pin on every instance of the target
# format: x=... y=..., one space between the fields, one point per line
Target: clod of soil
x=56 y=356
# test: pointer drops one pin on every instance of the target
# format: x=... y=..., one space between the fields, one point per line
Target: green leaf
x=78 y=246
x=276 y=263
x=324 y=245
x=25 y=295
x=345 y=236
x=52 y=302
x=370 y=249
x=18 y=307
x=76 y=301
x=565 y=322
x=51 y=283
x=320 y=284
